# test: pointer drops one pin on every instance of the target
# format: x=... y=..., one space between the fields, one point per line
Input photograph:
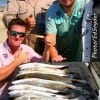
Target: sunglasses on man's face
x=14 y=33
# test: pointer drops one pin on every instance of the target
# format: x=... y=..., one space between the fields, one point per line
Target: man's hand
x=23 y=57
x=58 y=58
x=50 y=42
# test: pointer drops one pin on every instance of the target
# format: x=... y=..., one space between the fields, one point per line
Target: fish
x=65 y=79
x=42 y=76
x=30 y=87
x=37 y=97
x=18 y=93
x=30 y=97
x=44 y=70
x=55 y=85
x=43 y=65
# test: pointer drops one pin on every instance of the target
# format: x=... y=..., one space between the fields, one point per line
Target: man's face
x=16 y=35
x=66 y=3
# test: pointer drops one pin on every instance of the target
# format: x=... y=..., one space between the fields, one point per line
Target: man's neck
x=69 y=9
x=13 y=49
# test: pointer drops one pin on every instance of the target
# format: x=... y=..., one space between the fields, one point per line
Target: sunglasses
x=14 y=33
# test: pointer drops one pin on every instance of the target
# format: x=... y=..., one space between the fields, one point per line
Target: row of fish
x=39 y=81
x=43 y=68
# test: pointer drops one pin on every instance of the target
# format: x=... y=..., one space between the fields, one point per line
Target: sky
x=3 y=2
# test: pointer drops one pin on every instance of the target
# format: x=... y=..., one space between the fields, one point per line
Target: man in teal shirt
x=63 y=31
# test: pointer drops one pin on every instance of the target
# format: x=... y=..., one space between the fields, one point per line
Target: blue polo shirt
x=67 y=29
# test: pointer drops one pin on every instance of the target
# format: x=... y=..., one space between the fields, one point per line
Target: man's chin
x=16 y=44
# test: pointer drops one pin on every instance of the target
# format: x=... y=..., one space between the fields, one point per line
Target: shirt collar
x=7 y=46
x=77 y=11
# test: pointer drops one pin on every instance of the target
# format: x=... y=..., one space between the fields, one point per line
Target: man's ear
x=7 y=32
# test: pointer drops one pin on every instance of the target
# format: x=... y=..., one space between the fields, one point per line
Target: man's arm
x=54 y=55
x=50 y=49
x=9 y=69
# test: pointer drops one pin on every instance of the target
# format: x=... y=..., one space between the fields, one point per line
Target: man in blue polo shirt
x=63 y=30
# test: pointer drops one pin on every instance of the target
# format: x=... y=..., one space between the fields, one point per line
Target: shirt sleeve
x=50 y=25
x=34 y=56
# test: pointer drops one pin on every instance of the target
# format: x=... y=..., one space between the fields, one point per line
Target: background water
x=3 y=2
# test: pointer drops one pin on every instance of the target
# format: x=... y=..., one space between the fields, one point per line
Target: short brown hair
x=16 y=21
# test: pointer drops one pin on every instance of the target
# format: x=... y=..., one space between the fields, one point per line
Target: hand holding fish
x=23 y=57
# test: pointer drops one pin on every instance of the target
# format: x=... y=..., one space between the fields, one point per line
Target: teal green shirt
x=67 y=29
